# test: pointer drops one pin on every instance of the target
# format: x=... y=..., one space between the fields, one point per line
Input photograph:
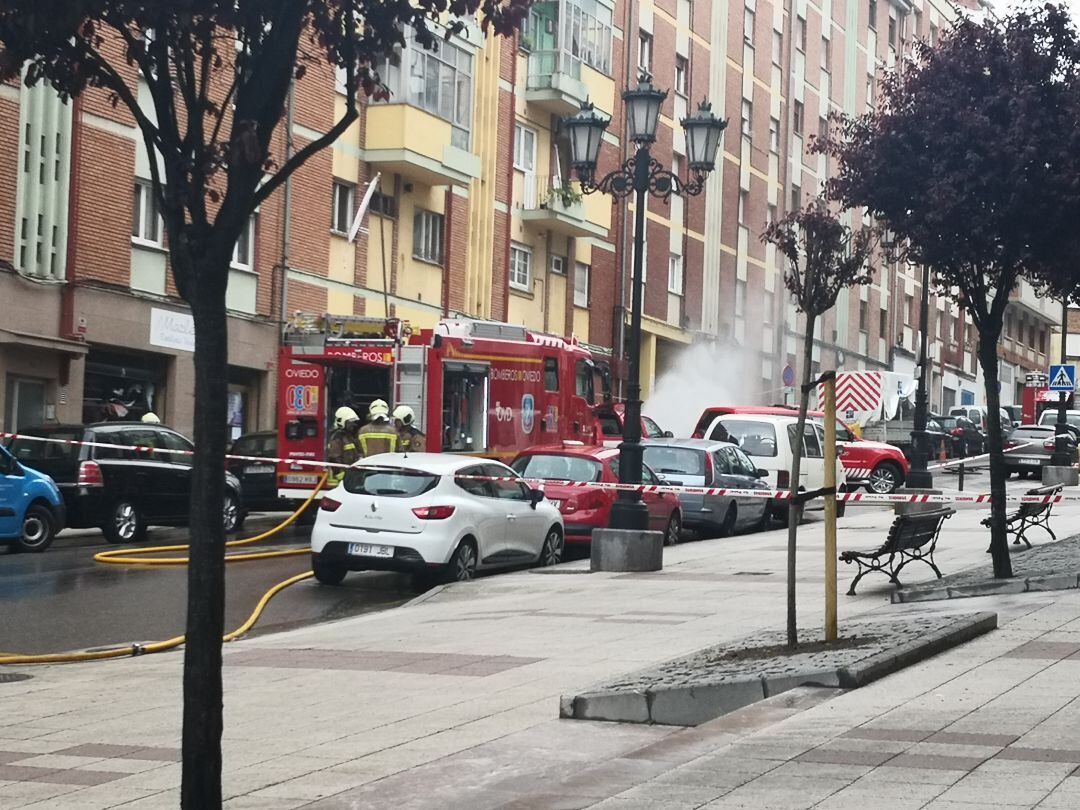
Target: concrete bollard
x=1068 y=476
x=627 y=550
x=915 y=508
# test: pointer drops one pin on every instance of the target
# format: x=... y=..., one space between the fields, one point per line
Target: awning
x=73 y=348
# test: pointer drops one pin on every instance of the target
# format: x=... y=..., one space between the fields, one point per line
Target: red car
x=586 y=509
x=878 y=466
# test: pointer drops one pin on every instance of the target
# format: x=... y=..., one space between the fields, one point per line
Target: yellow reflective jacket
x=377 y=437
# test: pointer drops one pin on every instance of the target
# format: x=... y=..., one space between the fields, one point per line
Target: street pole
x=1061 y=456
x=629 y=511
x=829 y=380
x=918 y=476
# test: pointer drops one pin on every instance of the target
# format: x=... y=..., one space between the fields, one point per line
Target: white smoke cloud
x=703 y=375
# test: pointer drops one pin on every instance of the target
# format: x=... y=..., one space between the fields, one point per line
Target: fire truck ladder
x=410 y=380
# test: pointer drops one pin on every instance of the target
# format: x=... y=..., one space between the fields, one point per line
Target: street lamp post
x=1062 y=456
x=640 y=175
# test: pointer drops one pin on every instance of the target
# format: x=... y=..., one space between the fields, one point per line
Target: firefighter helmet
x=344 y=415
x=404 y=414
x=379 y=410
x=150 y=418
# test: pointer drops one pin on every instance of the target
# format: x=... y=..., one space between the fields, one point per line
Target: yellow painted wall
x=601 y=89
x=399 y=126
x=344 y=160
x=581 y=323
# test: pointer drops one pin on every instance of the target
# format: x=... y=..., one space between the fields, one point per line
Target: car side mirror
x=535 y=496
x=760 y=473
x=668 y=434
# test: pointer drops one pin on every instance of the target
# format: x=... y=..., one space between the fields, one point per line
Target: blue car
x=31 y=507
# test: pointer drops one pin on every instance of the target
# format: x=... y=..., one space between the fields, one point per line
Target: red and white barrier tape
x=956 y=462
x=850 y=497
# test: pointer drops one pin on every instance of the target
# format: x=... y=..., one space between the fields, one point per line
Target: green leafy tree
x=823 y=256
x=972 y=158
x=219 y=74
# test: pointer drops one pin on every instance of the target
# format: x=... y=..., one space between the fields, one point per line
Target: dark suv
x=258 y=478
x=123 y=489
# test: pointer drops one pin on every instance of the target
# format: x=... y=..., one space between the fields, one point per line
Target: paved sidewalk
x=452 y=702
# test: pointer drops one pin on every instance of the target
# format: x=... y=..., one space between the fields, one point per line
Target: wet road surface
x=62 y=600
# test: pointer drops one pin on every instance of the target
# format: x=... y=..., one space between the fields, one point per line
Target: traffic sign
x=1062 y=378
x=787 y=376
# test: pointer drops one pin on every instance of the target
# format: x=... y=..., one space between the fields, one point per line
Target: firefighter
x=378 y=435
x=409 y=436
x=341 y=448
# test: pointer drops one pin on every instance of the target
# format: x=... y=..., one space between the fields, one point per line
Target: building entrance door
x=25 y=403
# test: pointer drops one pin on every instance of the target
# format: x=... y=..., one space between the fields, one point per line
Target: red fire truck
x=476 y=387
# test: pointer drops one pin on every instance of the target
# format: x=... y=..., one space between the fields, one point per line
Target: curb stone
x=697 y=688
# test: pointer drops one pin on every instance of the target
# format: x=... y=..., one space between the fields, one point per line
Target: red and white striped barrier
x=849 y=497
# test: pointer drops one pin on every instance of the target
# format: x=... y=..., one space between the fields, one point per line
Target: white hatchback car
x=415 y=514
x=768 y=440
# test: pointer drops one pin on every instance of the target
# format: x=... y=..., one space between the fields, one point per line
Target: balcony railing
x=537 y=191
x=543 y=65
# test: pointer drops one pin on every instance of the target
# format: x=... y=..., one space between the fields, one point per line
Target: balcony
x=554 y=82
x=1044 y=309
x=546 y=208
x=417 y=145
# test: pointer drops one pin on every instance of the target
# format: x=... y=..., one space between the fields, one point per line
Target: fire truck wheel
x=554 y=547
x=462 y=566
x=326 y=573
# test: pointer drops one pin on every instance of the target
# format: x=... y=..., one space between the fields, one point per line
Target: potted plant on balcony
x=562 y=195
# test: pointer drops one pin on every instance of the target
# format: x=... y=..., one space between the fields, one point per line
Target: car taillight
x=708 y=469
x=329 y=505
x=958 y=432
x=1010 y=444
x=593 y=499
x=433 y=512
x=1049 y=444
x=90 y=475
x=783 y=479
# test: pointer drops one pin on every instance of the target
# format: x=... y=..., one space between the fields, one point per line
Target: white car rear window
x=388 y=483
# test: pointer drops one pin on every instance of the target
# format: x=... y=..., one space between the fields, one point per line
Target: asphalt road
x=62 y=600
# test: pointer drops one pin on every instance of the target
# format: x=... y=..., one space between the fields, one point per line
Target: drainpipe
x=67 y=291
x=286 y=213
x=505 y=314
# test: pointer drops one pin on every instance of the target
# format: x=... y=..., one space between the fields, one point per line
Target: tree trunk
x=201 y=780
x=999 y=541
x=795 y=509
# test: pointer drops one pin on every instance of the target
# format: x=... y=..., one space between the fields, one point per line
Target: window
x=883 y=322
x=755 y=438
x=583 y=380
x=675 y=274
x=870 y=92
x=243 y=254
x=438 y=81
x=644 y=60
x=767 y=307
x=747 y=119
x=772 y=214
x=558 y=468
x=342 y=213
x=744 y=198
x=823 y=128
x=797 y=118
x=864 y=316
x=748 y=27
x=586 y=33
x=581 y=284
x=933 y=35
x=800 y=34
x=681 y=76
x=740 y=298
x=777 y=47
x=558 y=265
x=796 y=198
x=428 y=236
x=146 y=226
x=520 y=267
x=551 y=374
x=872 y=12
x=909 y=309
x=826 y=54
x=524 y=148
x=812 y=440
x=892 y=31
x=383 y=205
x=774 y=135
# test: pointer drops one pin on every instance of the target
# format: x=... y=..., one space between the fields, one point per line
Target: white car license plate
x=300 y=479
x=259 y=469
x=370 y=550
x=1028 y=460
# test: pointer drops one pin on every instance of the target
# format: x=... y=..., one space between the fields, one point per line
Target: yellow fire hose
x=134 y=557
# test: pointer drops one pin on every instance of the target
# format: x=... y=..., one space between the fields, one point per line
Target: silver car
x=709 y=463
x=1029 y=449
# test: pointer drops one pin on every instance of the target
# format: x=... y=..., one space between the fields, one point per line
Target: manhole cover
x=12 y=677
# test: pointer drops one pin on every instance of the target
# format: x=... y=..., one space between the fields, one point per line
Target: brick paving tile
x=13 y=756
x=76 y=776
x=23 y=773
x=1054 y=650
x=833 y=756
x=1040 y=754
x=935 y=763
x=971 y=738
x=897 y=734
x=99 y=750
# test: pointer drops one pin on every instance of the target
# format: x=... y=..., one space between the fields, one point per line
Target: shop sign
x=172 y=330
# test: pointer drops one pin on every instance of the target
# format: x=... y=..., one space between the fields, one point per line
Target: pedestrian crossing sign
x=1063 y=378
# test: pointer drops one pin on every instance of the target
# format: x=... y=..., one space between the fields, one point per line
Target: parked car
x=31 y=506
x=707 y=463
x=1015 y=412
x=1028 y=461
x=939 y=438
x=258 y=479
x=610 y=418
x=768 y=441
x=977 y=414
x=417 y=515
x=878 y=466
x=584 y=510
x=1050 y=415
x=967 y=438
x=121 y=490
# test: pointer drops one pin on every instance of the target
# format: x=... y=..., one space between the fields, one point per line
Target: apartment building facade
x=473 y=212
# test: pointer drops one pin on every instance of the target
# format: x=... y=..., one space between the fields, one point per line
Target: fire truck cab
x=476 y=387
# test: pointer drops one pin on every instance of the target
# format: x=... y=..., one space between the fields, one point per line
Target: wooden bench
x=911 y=537
x=1029 y=516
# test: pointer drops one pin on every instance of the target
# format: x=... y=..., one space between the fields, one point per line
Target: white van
x=768 y=440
